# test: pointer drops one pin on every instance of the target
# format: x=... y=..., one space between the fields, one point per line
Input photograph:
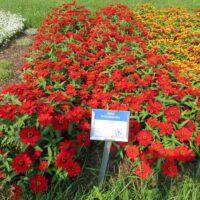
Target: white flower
x=10 y=24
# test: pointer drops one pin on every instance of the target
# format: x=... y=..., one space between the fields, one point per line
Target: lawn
x=36 y=10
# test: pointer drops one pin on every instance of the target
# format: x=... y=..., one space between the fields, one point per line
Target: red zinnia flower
x=60 y=122
x=183 y=153
x=84 y=125
x=62 y=159
x=154 y=107
x=172 y=113
x=125 y=48
x=134 y=126
x=135 y=107
x=169 y=154
x=152 y=60
x=165 y=128
x=71 y=90
x=73 y=168
x=144 y=138
x=152 y=122
x=27 y=107
x=83 y=139
x=21 y=163
x=29 y=135
x=183 y=134
x=143 y=171
x=67 y=145
x=132 y=151
x=8 y=111
x=170 y=169
x=45 y=108
x=43 y=165
x=156 y=149
x=45 y=119
x=190 y=126
x=38 y=183
x=150 y=94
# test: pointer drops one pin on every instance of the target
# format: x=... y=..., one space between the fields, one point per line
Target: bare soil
x=15 y=54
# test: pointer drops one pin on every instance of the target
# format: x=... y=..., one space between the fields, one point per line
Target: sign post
x=108 y=125
x=104 y=162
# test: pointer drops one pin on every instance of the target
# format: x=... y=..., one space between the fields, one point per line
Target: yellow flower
x=179 y=32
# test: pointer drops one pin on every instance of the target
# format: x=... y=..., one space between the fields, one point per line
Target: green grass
x=36 y=10
x=24 y=42
x=4 y=74
x=130 y=187
x=4 y=64
x=4 y=69
x=117 y=187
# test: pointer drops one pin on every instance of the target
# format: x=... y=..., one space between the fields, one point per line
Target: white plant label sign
x=109 y=125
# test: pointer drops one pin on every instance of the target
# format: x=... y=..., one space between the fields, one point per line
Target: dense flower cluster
x=10 y=24
x=79 y=62
x=176 y=32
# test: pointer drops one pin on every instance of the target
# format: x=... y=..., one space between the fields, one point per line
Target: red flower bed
x=77 y=63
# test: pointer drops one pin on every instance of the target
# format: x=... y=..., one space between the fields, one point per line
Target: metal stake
x=104 y=162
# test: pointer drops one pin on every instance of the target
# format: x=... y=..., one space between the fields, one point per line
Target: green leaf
x=70 y=128
x=186 y=97
x=15 y=100
x=50 y=154
x=8 y=167
x=46 y=130
x=42 y=83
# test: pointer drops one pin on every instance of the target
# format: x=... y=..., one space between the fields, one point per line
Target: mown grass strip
x=36 y=10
